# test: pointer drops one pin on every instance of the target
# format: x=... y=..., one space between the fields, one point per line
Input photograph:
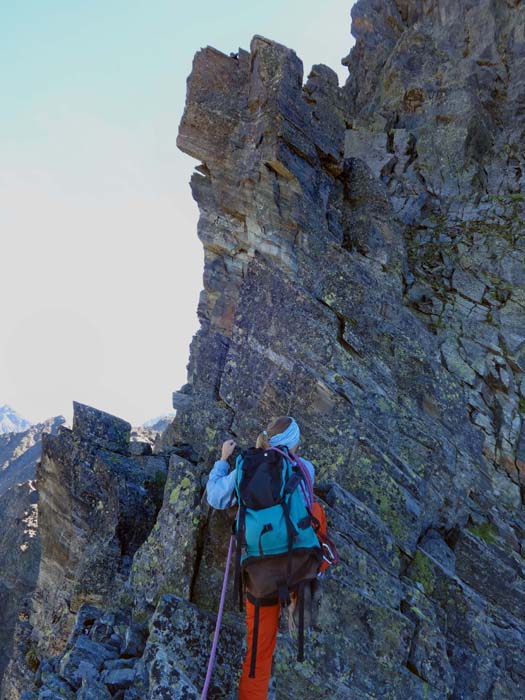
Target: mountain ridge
x=11 y=421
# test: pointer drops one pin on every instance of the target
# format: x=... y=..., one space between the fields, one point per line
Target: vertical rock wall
x=310 y=307
x=96 y=507
x=19 y=559
x=20 y=549
x=439 y=113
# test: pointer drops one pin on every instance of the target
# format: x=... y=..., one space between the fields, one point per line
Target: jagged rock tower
x=364 y=271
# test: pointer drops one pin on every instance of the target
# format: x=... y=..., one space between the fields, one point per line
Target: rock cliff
x=19 y=540
x=19 y=558
x=20 y=452
x=364 y=272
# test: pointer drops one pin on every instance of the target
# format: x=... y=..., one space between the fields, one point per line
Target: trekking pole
x=218 y=623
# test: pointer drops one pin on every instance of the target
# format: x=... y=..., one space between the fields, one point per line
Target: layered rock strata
x=308 y=309
x=19 y=559
x=19 y=538
x=437 y=106
x=98 y=498
x=20 y=452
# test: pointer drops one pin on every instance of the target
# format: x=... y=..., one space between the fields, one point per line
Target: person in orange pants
x=257 y=688
x=221 y=494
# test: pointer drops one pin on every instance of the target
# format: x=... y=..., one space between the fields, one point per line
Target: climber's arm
x=220 y=486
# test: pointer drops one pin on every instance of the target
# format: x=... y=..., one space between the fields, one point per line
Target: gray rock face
x=19 y=535
x=434 y=97
x=101 y=428
x=333 y=292
x=363 y=272
x=166 y=560
x=93 y=690
x=19 y=559
x=20 y=452
x=95 y=508
x=176 y=656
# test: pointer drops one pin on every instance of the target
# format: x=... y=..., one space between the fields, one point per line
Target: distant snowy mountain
x=160 y=422
x=11 y=421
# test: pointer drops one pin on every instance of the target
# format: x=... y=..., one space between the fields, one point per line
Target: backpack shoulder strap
x=238 y=472
x=307 y=486
x=239 y=531
x=309 y=492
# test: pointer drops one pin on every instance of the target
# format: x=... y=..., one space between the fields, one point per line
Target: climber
x=221 y=494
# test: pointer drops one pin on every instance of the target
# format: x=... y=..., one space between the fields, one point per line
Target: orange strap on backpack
x=330 y=555
x=316 y=510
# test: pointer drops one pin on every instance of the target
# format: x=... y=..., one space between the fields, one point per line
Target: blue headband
x=290 y=437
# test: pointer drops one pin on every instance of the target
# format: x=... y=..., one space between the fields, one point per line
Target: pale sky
x=100 y=265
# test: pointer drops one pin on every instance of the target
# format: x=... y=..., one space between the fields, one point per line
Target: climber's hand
x=227 y=448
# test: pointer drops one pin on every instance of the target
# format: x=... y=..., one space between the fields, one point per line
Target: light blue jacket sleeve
x=220 y=490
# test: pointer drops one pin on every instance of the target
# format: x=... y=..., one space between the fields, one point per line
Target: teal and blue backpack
x=278 y=551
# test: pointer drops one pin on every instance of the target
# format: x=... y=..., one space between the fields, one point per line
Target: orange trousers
x=257 y=688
